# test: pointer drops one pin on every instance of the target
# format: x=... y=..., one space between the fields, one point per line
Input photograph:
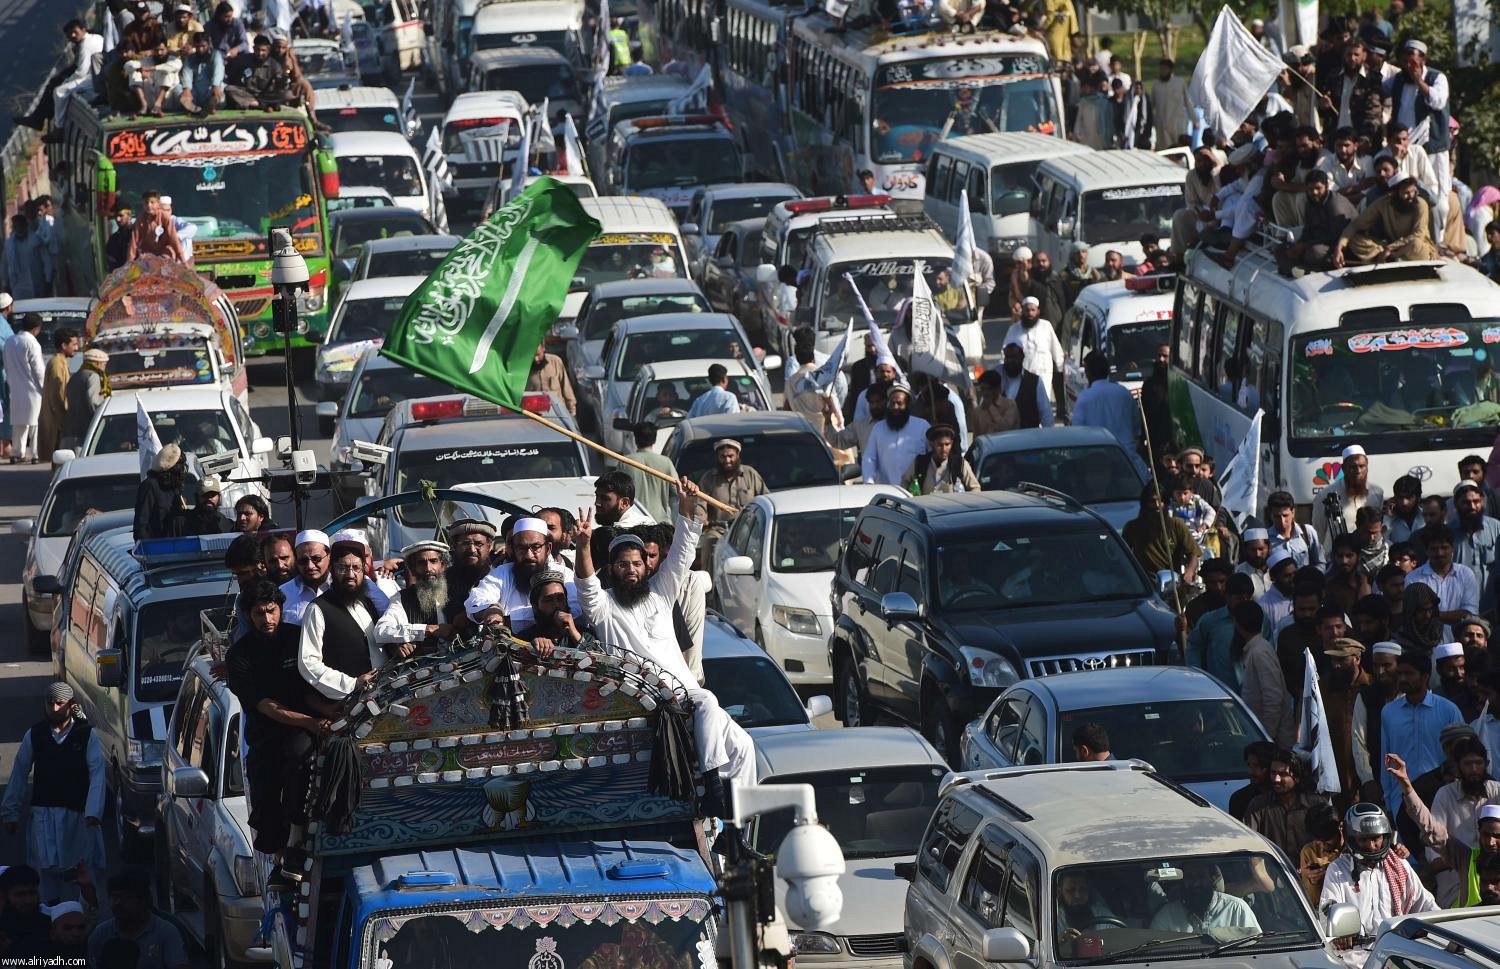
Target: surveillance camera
x=305 y=465
x=810 y=862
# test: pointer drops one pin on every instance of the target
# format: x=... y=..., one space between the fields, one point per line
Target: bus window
x=1229 y=366
x=1187 y=321
x=958 y=182
x=976 y=191
x=1207 y=319
x=942 y=168
x=1263 y=365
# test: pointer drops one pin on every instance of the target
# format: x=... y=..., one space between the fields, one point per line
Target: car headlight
x=245 y=875
x=312 y=302
x=143 y=753
x=810 y=943
x=988 y=669
x=797 y=620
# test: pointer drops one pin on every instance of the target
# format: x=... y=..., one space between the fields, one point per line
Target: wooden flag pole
x=574 y=435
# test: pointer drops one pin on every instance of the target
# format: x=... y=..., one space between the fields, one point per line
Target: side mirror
x=328 y=409
x=765 y=274
x=187 y=782
x=23 y=526
x=739 y=565
x=724 y=262
x=1004 y=945
x=772 y=361
x=1065 y=228
x=819 y=706
x=1165 y=580
x=690 y=228
x=62 y=456
x=623 y=424
x=593 y=372
x=226 y=369
x=851 y=472
x=566 y=332
x=1343 y=921
x=899 y=607
x=107 y=668
x=905 y=870
x=262 y=445
x=46 y=585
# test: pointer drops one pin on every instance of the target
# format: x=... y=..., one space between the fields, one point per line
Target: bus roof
x=219 y=119
x=862 y=44
x=1402 y=285
x=356 y=96
x=485 y=60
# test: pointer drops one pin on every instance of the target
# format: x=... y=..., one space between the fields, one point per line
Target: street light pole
x=288 y=279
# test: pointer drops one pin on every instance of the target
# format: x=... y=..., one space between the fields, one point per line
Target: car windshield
x=1125 y=214
x=392 y=223
x=361 y=119
x=785 y=459
x=1186 y=740
x=203 y=432
x=1052 y=565
x=680 y=161
x=481 y=462
x=534 y=82
x=586 y=933
x=1175 y=908
x=397 y=174
x=665 y=402
x=77 y=497
x=404 y=262
x=879 y=812
x=697 y=343
x=1012 y=187
x=1092 y=473
x=381 y=389
x=628 y=256
x=919 y=102
x=1133 y=346
x=753 y=691
x=810 y=541
x=1402 y=384
x=886 y=284
x=725 y=211
x=605 y=313
x=364 y=319
x=349 y=201
x=164 y=632
x=161 y=366
x=321 y=64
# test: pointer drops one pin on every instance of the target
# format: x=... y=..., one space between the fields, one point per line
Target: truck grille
x=250 y=308
x=1046 y=666
x=875 y=946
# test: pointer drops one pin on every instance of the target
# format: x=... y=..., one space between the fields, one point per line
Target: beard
x=345 y=596
x=630 y=594
x=432 y=594
x=1340 y=679
x=1079 y=916
x=523 y=572
x=1474 y=788
x=1405 y=204
x=897 y=421
x=1197 y=898
x=1041 y=272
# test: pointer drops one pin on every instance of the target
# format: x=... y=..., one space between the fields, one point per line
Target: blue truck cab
x=486 y=802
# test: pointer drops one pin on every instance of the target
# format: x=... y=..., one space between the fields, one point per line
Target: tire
x=940 y=727
x=850 y=703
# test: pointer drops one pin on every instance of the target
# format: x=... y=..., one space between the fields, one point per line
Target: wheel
x=849 y=697
x=36 y=640
x=129 y=840
x=940 y=727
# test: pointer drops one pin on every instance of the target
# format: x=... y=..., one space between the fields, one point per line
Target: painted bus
x=232 y=176
x=1396 y=357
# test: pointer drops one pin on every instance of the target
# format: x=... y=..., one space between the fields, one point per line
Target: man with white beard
x=635 y=614
x=420 y=615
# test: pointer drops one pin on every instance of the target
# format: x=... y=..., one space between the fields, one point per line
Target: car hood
x=779 y=728
x=806 y=590
x=874 y=898
x=571 y=303
x=1063 y=630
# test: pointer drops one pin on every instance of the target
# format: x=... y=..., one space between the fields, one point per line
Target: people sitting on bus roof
x=202 y=80
x=1324 y=220
x=256 y=79
x=1397 y=227
x=300 y=89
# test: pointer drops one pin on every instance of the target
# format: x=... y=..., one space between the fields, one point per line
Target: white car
x=774 y=571
x=361 y=197
x=664 y=392
x=750 y=688
x=367 y=310
x=875 y=790
x=104 y=482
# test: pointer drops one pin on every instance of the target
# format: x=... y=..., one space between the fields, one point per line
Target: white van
x=351 y=107
x=383 y=159
x=1106 y=199
x=555 y=24
x=402 y=40
x=1128 y=319
x=631 y=230
x=999 y=172
x=535 y=73
x=480 y=130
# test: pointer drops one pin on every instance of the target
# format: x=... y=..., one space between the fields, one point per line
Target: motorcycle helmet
x=1366 y=820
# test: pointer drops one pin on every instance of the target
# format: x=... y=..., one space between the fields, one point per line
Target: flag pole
x=552 y=425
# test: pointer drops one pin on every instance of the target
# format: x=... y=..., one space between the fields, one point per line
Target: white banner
x=147 y=444
x=1240 y=479
x=572 y=148
x=963 y=246
x=1313 y=742
x=690 y=98
x=1234 y=72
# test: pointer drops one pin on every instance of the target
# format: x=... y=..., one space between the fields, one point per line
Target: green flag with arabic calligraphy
x=476 y=321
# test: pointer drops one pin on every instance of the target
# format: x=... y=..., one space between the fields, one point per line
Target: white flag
x=519 y=167
x=572 y=149
x=546 y=143
x=828 y=370
x=1313 y=743
x=346 y=32
x=1240 y=479
x=690 y=98
x=1299 y=22
x=147 y=444
x=931 y=350
x=408 y=105
x=601 y=43
x=963 y=247
x=883 y=352
x=435 y=160
x=485 y=144
x=1233 y=74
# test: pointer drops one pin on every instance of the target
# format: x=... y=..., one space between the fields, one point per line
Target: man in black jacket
x=1323 y=222
x=159 y=506
x=1352 y=97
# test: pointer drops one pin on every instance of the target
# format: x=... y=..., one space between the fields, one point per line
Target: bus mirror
x=1065 y=228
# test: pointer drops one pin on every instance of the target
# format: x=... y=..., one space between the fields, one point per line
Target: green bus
x=232 y=175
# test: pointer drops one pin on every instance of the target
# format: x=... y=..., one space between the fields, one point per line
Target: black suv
x=941 y=602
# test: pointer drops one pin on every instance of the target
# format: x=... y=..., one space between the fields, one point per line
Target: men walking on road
x=24 y=375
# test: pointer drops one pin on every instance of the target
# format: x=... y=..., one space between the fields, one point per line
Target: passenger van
x=132 y=619
x=638 y=239
x=1394 y=357
x=669 y=157
x=359 y=108
x=480 y=129
x=1127 y=319
x=402 y=40
x=383 y=159
x=998 y=170
x=537 y=74
x=1106 y=199
x=553 y=24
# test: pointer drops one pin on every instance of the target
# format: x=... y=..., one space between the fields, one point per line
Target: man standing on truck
x=62 y=760
x=422 y=614
x=509 y=584
x=338 y=654
x=635 y=614
x=281 y=717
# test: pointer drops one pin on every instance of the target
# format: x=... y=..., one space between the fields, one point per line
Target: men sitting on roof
x=1393 y=228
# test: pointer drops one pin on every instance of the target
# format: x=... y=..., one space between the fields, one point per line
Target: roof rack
x=1042 y=491
x=902 y=502
x=1416 y=929
x=874 y=223
x=954 y=780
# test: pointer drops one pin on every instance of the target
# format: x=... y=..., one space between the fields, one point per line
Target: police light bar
x=188 y=549
x=532 y=403
x=434 y=410
x=827 y=203
x=1151 y=283
x=667 y=120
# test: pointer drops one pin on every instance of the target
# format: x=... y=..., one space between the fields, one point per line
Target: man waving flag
x=477 y=320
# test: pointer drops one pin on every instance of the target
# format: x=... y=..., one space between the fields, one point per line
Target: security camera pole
x=288 y=278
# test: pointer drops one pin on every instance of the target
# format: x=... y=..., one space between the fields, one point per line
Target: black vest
x=344 y=645
x=416 y=614
x=60 y=771
x=1031 y=415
